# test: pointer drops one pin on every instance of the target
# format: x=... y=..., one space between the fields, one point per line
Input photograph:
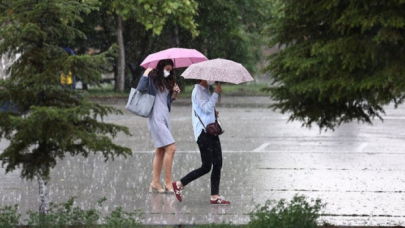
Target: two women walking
x=203 y=113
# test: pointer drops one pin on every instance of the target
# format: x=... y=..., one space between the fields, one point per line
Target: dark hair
x=159 y=80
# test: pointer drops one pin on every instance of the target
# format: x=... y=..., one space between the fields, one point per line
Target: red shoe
x=220 y=201
x=177 y=191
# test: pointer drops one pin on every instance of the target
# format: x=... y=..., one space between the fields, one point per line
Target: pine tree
x=50 y=120
x=340 y=60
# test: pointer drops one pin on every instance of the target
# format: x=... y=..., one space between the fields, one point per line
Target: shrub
x=122 y=219
x=9 y=217
x=66 y=215
x=298 y=213
x=63 y=215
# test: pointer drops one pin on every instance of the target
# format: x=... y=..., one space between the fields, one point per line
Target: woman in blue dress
x=165 y=89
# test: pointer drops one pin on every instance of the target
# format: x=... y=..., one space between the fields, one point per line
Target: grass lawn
x=251 y=89
x=106 y=90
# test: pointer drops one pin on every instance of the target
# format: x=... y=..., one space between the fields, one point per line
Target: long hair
x=159 y=79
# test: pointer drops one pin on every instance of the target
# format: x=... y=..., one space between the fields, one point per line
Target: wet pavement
x=358 y=169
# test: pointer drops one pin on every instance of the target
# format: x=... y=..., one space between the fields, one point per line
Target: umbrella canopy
x=182 y=57
x=223 y=70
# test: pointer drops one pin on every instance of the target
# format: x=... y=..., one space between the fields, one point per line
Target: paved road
x=358 y=170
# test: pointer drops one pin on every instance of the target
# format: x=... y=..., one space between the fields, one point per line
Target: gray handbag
x=140 y=103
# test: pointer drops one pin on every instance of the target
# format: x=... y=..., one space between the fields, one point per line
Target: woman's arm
x=206 y=103
x=143 y=84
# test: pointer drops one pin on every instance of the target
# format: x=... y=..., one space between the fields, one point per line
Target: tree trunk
x=176 y=43
x=175 y=36
x=205 y=49
x=119 y=85
x=43 y=193
x=145 y=45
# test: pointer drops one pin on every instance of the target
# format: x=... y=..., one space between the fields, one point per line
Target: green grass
x=233 y=90
x=107 y=90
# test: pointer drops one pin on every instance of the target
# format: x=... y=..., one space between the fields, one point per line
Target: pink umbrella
x=222 y=70
x=182 y=57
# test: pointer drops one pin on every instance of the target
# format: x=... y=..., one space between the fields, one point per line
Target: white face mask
x=166 y=73
x=210 y=82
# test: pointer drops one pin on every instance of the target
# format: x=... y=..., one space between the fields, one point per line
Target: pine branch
x=50 y=120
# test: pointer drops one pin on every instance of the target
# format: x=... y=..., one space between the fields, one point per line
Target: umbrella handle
x=219 y=96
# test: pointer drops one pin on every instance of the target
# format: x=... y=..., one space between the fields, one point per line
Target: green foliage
x=231 y=30
x=51 y=119
x=153 y=14
x=9 y=218
x=227 y=29
x=67 y=215
x=340 y=60
x=299 y=212
x=64 y=215
x=143 y=23
x=214 y=225
x=122 y=219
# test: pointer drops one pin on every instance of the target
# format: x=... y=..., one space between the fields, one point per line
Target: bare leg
x=168 y=163
x=157 y=167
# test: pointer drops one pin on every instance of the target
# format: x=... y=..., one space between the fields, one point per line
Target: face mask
x=210 y=82
x=166 y=73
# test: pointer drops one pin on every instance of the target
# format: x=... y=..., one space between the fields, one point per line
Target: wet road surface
x=358 y=169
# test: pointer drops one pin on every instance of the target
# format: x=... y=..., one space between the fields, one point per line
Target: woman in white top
x=204 y=113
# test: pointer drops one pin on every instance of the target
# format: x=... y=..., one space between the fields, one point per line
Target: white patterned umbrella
x=222 y=70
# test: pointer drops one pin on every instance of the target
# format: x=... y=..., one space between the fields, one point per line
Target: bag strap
x=150 y=83
x=200 y=118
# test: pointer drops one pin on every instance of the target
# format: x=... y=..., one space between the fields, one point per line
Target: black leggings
x=211 y=156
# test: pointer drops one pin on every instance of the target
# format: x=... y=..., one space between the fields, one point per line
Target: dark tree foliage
x=339 y=61
x=227 y=29
x=231 y=30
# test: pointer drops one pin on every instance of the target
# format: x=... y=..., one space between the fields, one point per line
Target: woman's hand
x=176 y=88
x=216 y=114
x=147 y=71
x=218 y=89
